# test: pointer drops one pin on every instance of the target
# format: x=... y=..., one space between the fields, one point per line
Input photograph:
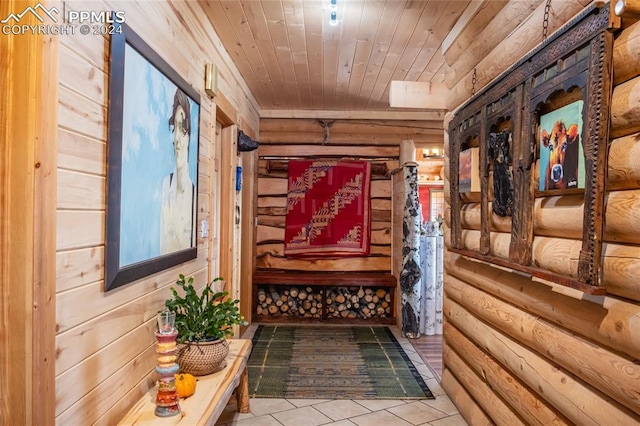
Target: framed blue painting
x=152 y=175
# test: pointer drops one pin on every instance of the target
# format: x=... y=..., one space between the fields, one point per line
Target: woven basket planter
x=202 y=358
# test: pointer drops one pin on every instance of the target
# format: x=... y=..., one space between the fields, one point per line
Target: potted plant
x=203 y=321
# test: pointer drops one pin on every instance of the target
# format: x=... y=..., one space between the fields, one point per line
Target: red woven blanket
x=328 y=208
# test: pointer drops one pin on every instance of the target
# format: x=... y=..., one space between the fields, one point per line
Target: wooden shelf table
x=211 y=397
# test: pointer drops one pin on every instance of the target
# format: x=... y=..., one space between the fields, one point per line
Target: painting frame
x=574 y=65
x=152 y=163
x=559 y=135
x=469 y=170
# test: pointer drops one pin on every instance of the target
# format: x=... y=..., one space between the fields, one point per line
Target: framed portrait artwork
x=152 y=175
x=561 y=152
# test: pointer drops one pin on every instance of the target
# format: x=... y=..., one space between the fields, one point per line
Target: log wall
x=377 y=141
x=518 y=350
x=105 y=344
x=373 y=140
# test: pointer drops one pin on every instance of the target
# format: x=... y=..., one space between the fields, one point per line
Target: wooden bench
x=325 y=278
x=211 y=397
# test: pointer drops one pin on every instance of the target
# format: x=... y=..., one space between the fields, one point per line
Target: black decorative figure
x=502 y=183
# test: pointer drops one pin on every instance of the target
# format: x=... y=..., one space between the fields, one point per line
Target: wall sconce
x=211 y=80
x=627 y=8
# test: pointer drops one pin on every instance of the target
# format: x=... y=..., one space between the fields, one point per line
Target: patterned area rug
x=332 y=362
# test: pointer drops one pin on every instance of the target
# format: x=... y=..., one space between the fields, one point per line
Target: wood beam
x=626 y=54
x=495 y=33
x=470 y=24
x=377 y=168
x=417 y=94
x=625 y=109
x=427 y=114
x=28 y=122
x=623 y=169
x=505 y=52
x=228 y=162
x=327 y=151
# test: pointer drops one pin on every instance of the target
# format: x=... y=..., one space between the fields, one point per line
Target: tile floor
x=315 y=412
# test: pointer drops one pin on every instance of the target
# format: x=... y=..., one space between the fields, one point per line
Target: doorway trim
x=28 y=146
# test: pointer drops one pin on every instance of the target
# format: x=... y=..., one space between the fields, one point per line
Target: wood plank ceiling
x=293 y=59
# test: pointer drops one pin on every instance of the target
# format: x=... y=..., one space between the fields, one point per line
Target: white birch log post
x=429 y=278
x=423 y=283
x=439 y=282
x=407 y=152
x=410 y=272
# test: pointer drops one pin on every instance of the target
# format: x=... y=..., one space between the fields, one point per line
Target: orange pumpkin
x=185 y=385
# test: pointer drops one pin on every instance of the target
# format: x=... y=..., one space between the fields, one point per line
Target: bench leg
x=242 y=393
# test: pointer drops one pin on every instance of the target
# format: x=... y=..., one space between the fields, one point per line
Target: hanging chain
x=474 y=80
x=545 y=22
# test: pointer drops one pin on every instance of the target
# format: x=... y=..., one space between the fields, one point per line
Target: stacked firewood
x=340 y=302
x=291 y=301
x=358 y=302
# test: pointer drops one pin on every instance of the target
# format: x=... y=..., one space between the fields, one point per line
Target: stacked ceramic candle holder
x=167 y=400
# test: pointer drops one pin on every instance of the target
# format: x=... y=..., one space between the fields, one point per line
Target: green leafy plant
x=205 y=316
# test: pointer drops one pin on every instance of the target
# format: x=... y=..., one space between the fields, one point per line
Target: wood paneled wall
x=105 y=344
x=519 y=351
x=373 y=140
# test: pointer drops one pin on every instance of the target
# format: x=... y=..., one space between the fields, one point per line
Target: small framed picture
x=560 y=149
